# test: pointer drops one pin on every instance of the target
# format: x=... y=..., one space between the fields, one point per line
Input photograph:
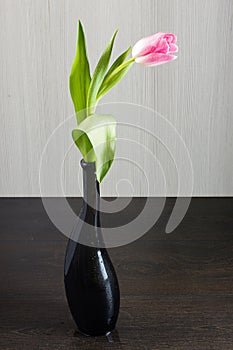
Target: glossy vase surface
x=91 y=284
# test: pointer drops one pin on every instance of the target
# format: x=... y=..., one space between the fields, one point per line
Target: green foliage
x=114 y=78
x=99 y=75
x=80 y=76
x=99 y=133
x=115 y=65
x=96 y=134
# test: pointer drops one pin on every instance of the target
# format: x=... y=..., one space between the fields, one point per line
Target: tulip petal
x=173 y=48
x=171 y=38
x=154 y=59
x=146 y=45
x=162 y=47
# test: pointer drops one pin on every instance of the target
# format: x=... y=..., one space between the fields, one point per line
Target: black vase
x=91 y=283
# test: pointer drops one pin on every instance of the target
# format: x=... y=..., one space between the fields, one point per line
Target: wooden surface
x=194 y=93
x=176 y=290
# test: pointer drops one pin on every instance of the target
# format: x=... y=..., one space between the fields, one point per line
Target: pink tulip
x=155 y=49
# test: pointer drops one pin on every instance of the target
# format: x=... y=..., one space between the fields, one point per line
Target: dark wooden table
x=176 y=290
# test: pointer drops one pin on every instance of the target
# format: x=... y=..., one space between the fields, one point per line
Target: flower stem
x=132 y=59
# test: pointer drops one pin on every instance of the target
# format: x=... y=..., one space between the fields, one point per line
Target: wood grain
x=193 y=93
x=176 y=290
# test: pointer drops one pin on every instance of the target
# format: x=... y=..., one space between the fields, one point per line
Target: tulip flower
x=155 y=49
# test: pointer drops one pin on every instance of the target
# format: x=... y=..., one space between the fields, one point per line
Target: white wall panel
x=194 y=93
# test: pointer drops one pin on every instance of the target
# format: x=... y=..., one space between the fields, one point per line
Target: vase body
x=91 y=284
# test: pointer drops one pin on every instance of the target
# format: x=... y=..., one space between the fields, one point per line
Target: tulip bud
x=155 y=49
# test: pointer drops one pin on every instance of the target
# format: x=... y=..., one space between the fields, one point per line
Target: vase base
x=94 y=335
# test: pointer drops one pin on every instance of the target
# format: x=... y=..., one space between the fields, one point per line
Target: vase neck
x=90 y=215
x=91 y=191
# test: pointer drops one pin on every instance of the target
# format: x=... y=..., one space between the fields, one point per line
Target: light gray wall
x=195 y=93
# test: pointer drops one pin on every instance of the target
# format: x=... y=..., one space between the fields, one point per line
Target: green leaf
x=117 y=63
x=80 y=76
x=114 y=77
x=96 y=139
x=99 y=75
